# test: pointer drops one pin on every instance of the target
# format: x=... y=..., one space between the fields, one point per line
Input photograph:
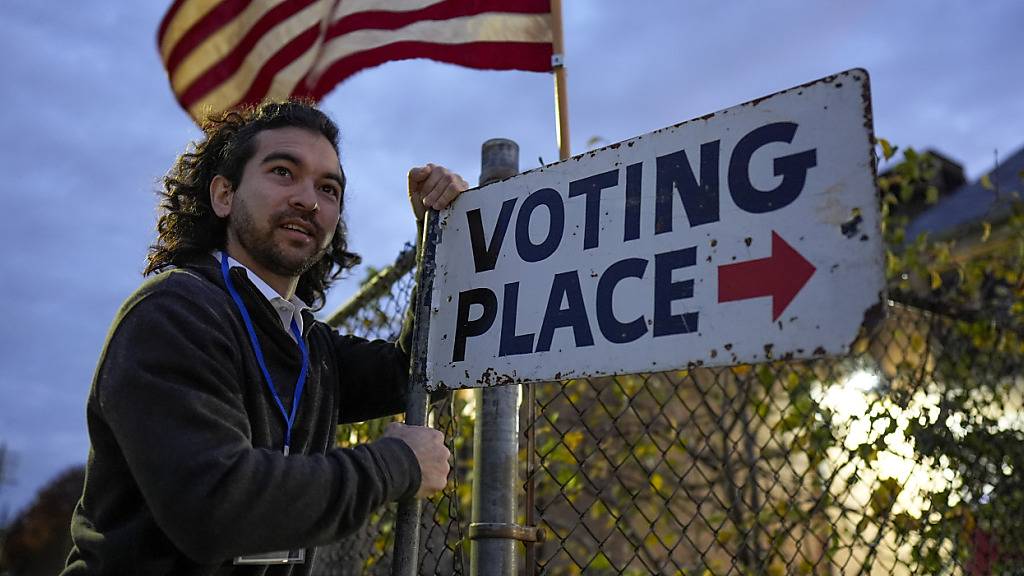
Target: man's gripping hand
x=433 y=186
x=431 y=453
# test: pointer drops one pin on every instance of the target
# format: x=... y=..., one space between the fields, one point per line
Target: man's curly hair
x=188 y=228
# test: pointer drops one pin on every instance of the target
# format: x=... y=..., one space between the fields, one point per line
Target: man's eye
x=281 y=171
x=330 y=190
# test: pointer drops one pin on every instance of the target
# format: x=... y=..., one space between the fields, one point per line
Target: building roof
x=974 y=203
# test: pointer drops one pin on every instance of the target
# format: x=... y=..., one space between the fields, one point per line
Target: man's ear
x=221 y=195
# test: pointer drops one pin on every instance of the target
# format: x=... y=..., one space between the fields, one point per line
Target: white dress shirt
x=287 y=310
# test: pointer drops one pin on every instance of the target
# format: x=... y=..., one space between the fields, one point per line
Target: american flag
x=220 y=54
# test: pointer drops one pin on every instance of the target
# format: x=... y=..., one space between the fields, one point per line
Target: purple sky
x=89 y=125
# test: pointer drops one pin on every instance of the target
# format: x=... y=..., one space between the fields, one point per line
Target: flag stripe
x=348 y=7
x=172 y=12
x=488 y=27
x=535 y=57
x=286 y=82
x=219 y=92
x=444 y=10
x=224 y=43
x=304 y=44
x=193 y=25
x=275 y=29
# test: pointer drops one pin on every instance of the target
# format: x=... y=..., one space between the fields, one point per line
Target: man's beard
x=262 y=248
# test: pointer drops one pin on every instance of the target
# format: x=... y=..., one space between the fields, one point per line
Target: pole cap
x=499 y=159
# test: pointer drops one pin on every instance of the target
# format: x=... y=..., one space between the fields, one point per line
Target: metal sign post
x=495 y=434
x=744 y=236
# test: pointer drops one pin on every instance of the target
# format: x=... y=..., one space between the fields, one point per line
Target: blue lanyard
x=289 y=419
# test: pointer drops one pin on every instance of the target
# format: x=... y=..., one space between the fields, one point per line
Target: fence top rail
x=375 y=287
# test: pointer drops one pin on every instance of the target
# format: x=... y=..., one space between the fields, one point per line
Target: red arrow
x=781 y=276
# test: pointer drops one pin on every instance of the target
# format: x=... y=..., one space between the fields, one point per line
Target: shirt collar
x=287 y=310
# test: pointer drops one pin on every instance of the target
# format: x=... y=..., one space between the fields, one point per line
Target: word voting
x=697 y=188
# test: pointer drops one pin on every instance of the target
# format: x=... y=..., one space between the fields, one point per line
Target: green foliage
x=972 y=373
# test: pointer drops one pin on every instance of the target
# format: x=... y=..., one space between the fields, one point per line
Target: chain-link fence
x=899 y=459
x=903 y=458
x=378 y=311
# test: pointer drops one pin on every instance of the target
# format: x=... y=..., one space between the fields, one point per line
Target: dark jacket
x=186 y=468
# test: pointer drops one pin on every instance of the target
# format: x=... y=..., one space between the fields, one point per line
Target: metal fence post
x=495 y=433
x=406 y=557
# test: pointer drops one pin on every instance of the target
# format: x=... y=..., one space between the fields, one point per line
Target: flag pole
x=564 y=151
x=561 y=93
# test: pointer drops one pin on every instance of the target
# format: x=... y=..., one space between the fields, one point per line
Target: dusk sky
x=90 y=125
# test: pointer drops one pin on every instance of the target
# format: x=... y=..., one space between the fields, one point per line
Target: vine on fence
x=905 y=457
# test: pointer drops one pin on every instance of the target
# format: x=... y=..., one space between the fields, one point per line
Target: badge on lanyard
x=282 y=557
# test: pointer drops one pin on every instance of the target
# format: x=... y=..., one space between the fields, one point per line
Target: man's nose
x=304 y=197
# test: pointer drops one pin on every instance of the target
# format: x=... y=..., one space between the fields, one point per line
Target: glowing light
x=849 y=398
x=862 y=418
x=862 y=381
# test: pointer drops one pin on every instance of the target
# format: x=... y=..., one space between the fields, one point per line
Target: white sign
x=747 y=235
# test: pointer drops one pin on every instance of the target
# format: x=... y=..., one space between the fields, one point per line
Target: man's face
x=273 y=226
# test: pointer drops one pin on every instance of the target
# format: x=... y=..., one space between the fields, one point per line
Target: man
x=214 y=405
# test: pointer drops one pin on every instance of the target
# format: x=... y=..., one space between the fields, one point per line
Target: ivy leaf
x=986 y=182
x=906 y=192
x=573 y=439
x=917 y=342
x=741 y=369
x=657 y=481
x=887 y=149
x=986 y=231
x=600 y=562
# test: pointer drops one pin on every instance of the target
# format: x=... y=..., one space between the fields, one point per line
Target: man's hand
x=431 y=453
x=433 y=186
